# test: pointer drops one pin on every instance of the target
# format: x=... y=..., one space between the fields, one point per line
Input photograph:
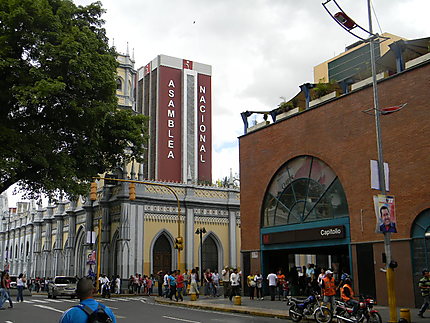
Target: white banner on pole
x=374 y=176
x=91 y=237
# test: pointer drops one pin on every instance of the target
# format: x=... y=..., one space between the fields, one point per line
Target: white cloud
x=260 y=50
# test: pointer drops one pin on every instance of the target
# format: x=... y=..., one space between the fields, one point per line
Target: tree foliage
x=59 y=121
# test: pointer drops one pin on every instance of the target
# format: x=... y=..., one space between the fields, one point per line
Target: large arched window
x=305 y=189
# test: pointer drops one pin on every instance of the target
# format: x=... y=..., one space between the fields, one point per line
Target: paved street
x=39 y=309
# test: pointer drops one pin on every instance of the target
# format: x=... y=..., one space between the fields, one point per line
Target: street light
x=348 y=24
x=201 y=232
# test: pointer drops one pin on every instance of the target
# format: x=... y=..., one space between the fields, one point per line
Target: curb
x=227 y=308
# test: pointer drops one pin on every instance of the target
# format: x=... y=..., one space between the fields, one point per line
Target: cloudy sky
x=260 y=50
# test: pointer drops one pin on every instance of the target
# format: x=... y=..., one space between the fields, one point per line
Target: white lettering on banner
x=170 y=113
x=330 y=232
x=202 y=126
x=171 y=122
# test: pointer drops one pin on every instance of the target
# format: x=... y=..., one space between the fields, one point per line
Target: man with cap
x=424 y=286
x=80 y=313
x=328 y=288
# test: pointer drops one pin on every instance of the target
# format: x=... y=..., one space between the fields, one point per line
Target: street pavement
x=127 y=308
x=132 y=308
x=267 y=308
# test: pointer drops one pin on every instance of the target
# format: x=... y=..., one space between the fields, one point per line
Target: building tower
x=126 y=82
x=176 y=95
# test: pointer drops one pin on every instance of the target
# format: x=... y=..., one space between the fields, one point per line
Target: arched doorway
x=210 y=254
x=80 y=258
x=162 y=254
x=420 y=245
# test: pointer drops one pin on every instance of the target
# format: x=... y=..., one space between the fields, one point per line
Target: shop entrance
x=292 y=261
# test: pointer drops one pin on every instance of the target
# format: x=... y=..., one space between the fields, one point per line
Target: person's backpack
x=97 y=316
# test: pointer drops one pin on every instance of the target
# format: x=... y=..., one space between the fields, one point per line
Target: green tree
x=59 y=121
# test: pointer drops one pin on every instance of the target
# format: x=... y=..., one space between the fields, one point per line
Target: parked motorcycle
x=307 y=308
x=343 y=312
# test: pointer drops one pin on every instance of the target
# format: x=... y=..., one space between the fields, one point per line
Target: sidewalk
x=278 y=309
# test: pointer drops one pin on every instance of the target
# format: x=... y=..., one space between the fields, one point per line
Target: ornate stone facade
x=54 y=240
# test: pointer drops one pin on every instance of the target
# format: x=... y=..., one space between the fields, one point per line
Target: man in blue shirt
x=76 y=314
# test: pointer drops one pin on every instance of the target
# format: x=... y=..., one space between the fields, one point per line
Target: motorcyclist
x=347 y=295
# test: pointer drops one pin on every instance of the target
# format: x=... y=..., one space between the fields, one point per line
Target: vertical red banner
x=169 y=124
x=204 y=125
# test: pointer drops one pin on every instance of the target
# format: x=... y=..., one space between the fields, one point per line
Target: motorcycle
x=343 y=312
x=307 y=308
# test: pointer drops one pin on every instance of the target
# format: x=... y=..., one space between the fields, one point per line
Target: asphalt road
x=39 y=309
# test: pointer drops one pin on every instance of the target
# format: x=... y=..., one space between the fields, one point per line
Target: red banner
x=169 y=124
x=204 y=124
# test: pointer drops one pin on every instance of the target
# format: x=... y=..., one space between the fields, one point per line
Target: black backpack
x=97 y=316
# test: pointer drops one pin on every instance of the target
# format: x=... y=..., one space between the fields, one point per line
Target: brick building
x=306 y=182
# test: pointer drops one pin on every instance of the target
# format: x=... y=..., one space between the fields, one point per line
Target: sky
x=260 y=51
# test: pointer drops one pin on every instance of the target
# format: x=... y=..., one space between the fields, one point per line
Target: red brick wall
x=341 y=135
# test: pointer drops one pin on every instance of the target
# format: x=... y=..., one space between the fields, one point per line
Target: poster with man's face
x=385 y=214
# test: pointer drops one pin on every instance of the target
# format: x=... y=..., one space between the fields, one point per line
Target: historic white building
x=136 y=236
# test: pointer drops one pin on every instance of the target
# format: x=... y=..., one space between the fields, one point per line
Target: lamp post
x=348 y=24
x=201 y=232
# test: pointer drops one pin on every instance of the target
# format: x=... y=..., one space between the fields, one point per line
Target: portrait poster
x=385 y=213
x=91 y=258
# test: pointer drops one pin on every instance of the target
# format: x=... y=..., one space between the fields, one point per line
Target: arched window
x=305 y=189
x=119 y=84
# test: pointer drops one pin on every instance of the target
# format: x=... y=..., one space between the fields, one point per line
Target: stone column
x=232 y=238
x=71 y=241
x=58 y=252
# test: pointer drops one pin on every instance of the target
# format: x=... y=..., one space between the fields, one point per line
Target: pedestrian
x=208 y=282
x=166 y=284
x=88 y=306
x=149 y=283
x=234 y=283
x=272 y=278
x=215 y=283
x=328 y=289
x=5 y=284
x=20 y=283
x=160 y=281
x=186 y=282
x=225 y=276
x=258 y=278
x=424 y=285
x=179 y=285
x=280 y=283
x=171 y=281
x=194 y=289
x=117 y=285
x=251 y=285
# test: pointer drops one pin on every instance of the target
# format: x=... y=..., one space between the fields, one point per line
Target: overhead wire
x=376 y=17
